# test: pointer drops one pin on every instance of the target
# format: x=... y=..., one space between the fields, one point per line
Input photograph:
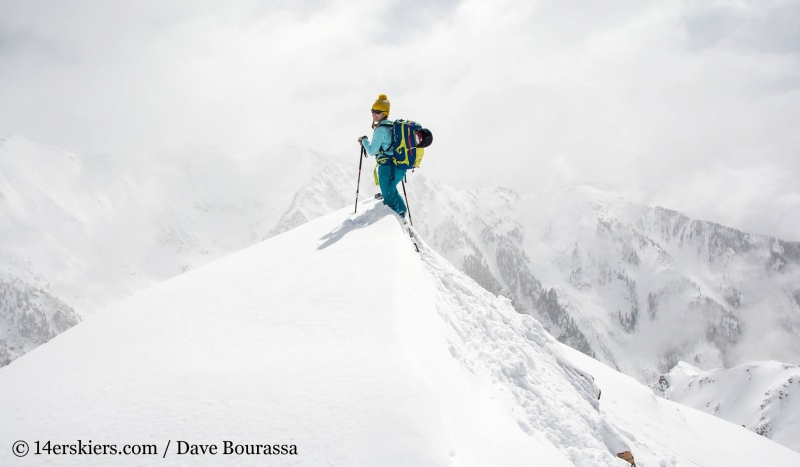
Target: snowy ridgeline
x=79 y=232
x=637 y=287
x=763 y=396
x=297 y=341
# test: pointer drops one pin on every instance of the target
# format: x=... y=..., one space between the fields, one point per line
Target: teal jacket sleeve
x=381 y=139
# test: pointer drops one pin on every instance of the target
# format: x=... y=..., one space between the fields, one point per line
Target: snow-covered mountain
x=634 y=286
x=762 y=396
x=29 y=317
x=297 y=342
x=79 y=231
x=637 y=287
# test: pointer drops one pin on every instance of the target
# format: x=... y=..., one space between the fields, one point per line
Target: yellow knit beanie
x=382 y=104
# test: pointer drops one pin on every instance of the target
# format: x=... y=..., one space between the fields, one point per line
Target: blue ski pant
x=391 y=197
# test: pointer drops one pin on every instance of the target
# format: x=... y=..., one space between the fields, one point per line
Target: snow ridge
x=91 y=229
x=294 y=338
x=764 y=397
x=338 y=337
x=513 y=351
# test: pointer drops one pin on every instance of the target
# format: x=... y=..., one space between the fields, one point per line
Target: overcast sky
x=692 y=105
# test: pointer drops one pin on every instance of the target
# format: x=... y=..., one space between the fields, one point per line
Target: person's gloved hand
x=360 y=138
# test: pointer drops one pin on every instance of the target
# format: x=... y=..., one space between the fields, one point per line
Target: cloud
x=640 y=97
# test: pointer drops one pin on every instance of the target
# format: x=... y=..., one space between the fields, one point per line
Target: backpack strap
x=382 y=156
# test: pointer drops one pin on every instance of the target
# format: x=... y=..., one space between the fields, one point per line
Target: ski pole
x=358 y=184
x=407 y=205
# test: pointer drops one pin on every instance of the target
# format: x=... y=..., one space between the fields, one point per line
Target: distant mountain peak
x=764 y=397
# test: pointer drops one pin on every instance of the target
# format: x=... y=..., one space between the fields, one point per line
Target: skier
x=388 y=174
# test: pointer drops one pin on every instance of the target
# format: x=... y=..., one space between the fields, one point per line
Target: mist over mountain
x=636 y=287
x=81 y=231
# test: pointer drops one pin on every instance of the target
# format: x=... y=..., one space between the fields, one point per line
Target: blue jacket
x=381 y=140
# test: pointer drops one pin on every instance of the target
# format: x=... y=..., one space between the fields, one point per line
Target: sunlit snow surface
x=339 y=338
x=762 y=396
x=81 y=231
x=639 y=287
x=666 y=433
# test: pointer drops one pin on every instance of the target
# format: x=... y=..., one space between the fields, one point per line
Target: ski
x=413 y=237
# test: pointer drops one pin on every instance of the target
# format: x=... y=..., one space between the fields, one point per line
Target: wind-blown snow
x=337 y=337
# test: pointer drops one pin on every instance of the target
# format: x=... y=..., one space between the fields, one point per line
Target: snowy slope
x=762 y=396
x=665 y=433
x=291 y=341
x=338 y=338
x=79 y=231
x=638 y=287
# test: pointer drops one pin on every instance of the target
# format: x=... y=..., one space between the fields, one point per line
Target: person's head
x=380 y=109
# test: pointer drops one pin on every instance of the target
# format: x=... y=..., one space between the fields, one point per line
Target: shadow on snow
x=358 y=221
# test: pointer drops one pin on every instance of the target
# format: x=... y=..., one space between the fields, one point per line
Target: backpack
x=409 y=140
